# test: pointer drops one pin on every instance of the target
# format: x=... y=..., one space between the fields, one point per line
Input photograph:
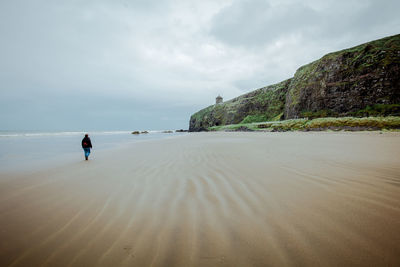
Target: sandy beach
x=212 y=199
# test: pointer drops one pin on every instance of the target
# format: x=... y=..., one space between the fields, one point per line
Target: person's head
x=86 y=135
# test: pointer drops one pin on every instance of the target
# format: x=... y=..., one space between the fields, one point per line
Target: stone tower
x=218 y=99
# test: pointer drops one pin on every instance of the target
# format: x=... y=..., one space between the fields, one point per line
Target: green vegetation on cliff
x=336 y=124
x=359 y=81
x=374 y=110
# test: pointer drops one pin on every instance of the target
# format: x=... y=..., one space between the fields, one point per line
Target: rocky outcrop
x=339 y=84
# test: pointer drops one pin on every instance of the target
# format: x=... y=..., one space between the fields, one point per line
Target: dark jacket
x=86 y=143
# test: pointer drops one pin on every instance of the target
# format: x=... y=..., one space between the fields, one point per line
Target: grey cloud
x=350 y=23
x=252 y=23
x=258 y=22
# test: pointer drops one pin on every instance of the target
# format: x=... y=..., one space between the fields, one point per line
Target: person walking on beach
x=86 y=145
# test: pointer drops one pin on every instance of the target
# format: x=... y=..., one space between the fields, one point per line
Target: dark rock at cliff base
x=244 y=129
x=360 y=81
x=240 y=129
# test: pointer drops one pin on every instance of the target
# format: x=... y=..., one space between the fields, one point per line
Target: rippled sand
x=212 y=199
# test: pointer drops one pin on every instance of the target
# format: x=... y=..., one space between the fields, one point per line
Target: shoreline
x=220 y=199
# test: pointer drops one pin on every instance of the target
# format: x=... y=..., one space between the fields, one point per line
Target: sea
x=32 y=150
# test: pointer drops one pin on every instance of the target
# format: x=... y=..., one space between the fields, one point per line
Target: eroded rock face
x=347 y=81
x=338 y=84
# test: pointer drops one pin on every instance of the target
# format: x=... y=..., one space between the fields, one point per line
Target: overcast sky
x=128 y=65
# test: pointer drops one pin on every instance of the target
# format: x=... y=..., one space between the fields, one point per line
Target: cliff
x=347 y=81
x=350 y=82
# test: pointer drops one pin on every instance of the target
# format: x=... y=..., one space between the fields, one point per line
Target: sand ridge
x=212 y=199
